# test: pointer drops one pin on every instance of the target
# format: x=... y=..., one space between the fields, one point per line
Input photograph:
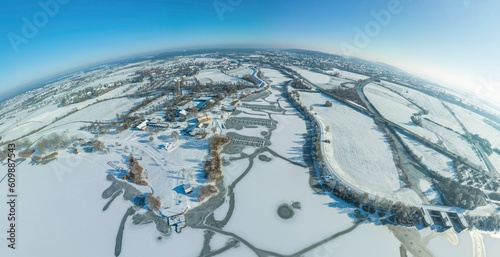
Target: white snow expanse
x=240 y=72
x=215 y=75
x=258 y=222
x=274 y=77
x=431 y=158
x=358 y=149
x=437 y=112
x=60 y=214
x=396 y=109
x=321 y=80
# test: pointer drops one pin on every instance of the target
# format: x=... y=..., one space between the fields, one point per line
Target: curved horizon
x=453 y=43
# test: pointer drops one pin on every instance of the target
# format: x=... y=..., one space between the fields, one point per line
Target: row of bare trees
x=135 y=171
x=207 y=191
x=213 y=167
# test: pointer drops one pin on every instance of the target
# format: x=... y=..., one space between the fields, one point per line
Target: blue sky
x=456 y=41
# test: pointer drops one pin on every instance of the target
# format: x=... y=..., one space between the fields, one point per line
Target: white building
x=143 y=125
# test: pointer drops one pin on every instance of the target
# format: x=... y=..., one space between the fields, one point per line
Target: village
x=181 y=142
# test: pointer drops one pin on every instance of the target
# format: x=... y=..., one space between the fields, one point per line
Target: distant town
x=215 y=141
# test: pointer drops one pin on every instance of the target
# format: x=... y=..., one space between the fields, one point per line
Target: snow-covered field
x=289 y=137
x=476 y=124
x=437 y=112
x=396 y=109
x=64 y=198
x=352 y=75
x=234 y=169
x=320 y=80
x=274 y=77
x=31 y=119
x=495 y=160
x=431 y=158
x=281 y=182
x=314 y=77
x=399 y=110
x=358 y=150
x=215 y=75
x=451 y=244
x=455 y=143
x=167 y=169
x=429 y=191
x=240 y=72
x=365 y=240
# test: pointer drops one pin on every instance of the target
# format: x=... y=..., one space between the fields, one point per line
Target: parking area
x=235 y=122
x=246 y=140
x=263 y=107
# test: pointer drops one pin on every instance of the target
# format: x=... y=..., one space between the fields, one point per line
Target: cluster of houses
x=196 y=126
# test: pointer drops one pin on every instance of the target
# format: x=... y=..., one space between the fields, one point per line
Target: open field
x=322 y=80
x=437 y=112
x=477 y=124
x=279 y=183
x=455 y=143
x=240 y=72
x=396 y=109
x=274 y=77
x=68 y=200
x=215 y=75
x=431 y=158
x=358 y=150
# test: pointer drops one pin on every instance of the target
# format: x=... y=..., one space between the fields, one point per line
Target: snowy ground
x=495 y=160
x=352 y=75
x=429 y=191
x=68 y=201
x=274 y=77
x=358 y=150
x=476 y=124
x=215 y=75
x=437 y=112
x=396 y=109
x=399 y=110
x=289 y=137
x=455 y=143
x=321 y=80
x=365 y=240
x=240 y=72
x=431 y=158
x=281 y=182
x=31 y=119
